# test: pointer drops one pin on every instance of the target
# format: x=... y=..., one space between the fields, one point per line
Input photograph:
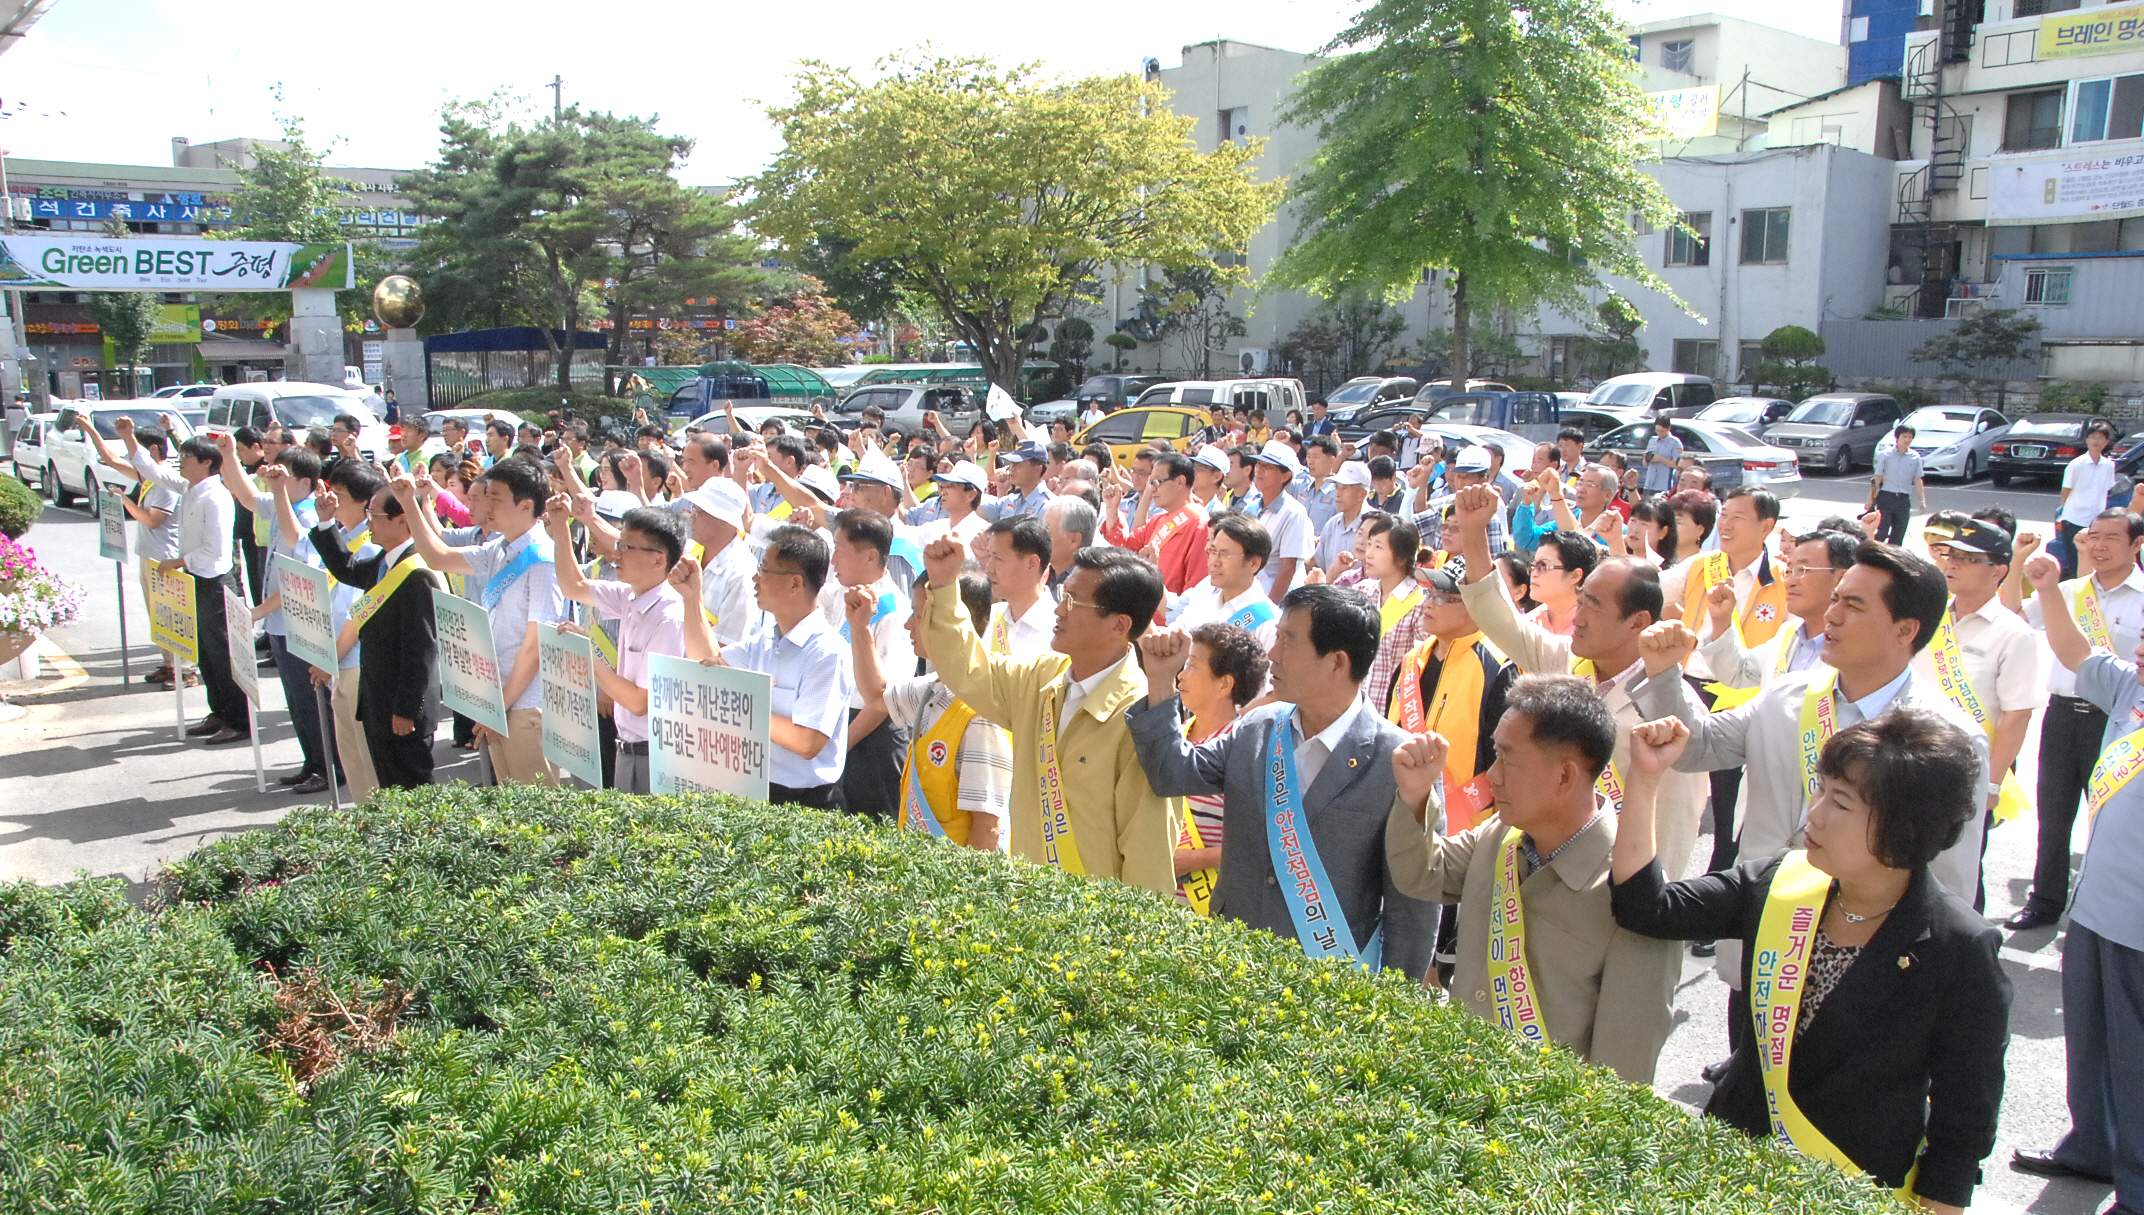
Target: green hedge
x=581 y=1002
x=19 y=507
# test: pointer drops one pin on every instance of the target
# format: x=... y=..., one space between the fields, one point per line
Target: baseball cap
x=1028 y=453
x=1447 y=578
x=1969 y=535
x=1280 y=455
x=820 y=480
x=1355 y=472
x=720 y=498
x=876 y=466
x=1473 y=460
x=1213 y=456
x=967 y=473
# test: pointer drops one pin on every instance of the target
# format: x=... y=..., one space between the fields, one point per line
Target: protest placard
x=171 y=614
x=238 y=635
x=111 y=526
x=307 y=613
x=571 y=739
x=468 y=663
x=707 y=728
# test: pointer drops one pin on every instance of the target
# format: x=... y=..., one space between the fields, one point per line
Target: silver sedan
x=1953 y=440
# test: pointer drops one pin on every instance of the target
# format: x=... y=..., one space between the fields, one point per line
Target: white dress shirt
x=726 y=593
x=2122 y=608
x=1312 y=752
x=2003 y=660
x=206 y=514
x=1030 y=633
x=1076 y=691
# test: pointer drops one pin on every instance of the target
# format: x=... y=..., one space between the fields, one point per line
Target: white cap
x=1278 y=453
x=820 y=479
x=613 y=503
x=968 y=473
x=1472 y=460
x=1213 y=456
x=875 y=466
x=1355 y=472
x=720 y=498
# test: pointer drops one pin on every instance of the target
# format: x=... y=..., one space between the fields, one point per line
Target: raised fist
x=2044 y=573
x=859 y=604
x=1474 y=507
x=1720 y=605
x=1418 y=766
x=1666 y=645
x=1164 y=653
x=1656 y=745
x=942 y=559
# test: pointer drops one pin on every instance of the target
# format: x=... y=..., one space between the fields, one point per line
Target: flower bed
x=33 y=600
x=536 y=1000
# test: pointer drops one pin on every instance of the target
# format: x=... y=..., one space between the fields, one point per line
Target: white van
x=1275 y=396
x=1656 y=392
x=298 y=405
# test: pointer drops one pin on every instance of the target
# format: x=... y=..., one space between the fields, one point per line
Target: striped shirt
x=985 y=755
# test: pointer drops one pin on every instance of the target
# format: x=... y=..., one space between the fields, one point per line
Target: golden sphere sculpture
x=398 y=302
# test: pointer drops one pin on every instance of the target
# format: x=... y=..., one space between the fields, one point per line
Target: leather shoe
x=315 y=783
x=2044 y=1164
x=296 y=778
x=2032 y=917
x=1703 y=949
x=1712 y=1072
x=205 y=727
x=226 y=735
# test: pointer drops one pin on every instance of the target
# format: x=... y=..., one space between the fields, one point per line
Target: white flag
x=999 y=405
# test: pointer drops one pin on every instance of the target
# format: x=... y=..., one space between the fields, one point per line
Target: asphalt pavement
x=93 y=781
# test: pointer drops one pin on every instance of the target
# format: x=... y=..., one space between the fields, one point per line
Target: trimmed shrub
x=538 y=1000
x=19 y=507
x=538 y=404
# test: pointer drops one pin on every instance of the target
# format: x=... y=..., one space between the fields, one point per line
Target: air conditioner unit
x=1253 y=362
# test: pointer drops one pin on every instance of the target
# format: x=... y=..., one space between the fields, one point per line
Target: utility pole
x=558 y=96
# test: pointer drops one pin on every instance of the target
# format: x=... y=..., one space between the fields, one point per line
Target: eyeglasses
x=1435 y=600
x=1543 y=567
x=1069 y=601
x=1943 y=553
x=640 y=548
x=768 y=571
x=1803 y=571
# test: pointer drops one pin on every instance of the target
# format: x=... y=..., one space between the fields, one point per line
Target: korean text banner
x=468 y=662
x=2066 y=188
x=172 y=627
x=2092 y=31
x=572 y=738
x=707 y=728
x=1686 y=113
x=238 y=637
x=86 y=261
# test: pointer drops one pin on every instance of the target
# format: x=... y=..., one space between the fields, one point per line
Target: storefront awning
x=243 y=350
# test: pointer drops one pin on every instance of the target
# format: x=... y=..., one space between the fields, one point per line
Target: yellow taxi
x=1129 y=431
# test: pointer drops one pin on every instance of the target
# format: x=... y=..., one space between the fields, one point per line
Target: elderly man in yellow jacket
x=1080 y=800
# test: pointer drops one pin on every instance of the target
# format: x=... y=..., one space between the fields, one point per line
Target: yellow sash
x=1058 y=846
x=1455 y=712
x=934 y=758
x=1198 y=884
x=1819 y=721
x=1401 y=601
x=780 y=510
x=1778 y=975
x=2089 y=616
x=260 y=521
x=1511 y=987
x=376 y=598
x=1761 y=617
x=1950 y=676
x=1001 y=629
x=2115 y=768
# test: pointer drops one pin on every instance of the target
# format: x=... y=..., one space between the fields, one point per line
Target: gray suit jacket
x=1346 y=808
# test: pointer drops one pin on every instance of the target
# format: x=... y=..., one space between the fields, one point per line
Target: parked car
x=1387 y=417
x=2040 y=446
x=1955 y=440
x=298 y=405
x=1753 y=414
x=1518 y=449
x=905 y=404
x=1366 y=392
x=1531 y=414
x=1837 y=430
x=1593 y=421
x=185 y=390
x=1732 y=455
x=1129 y=430
x=1655 y=392
x=1437 y=390
x=1113 y=391
x=1275 y=396
x=27 y=454
x=797 y=422
x=71 y=464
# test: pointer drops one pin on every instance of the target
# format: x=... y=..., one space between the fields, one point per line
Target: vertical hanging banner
x=571 y=738
x=468 y=663
x=111 y=527
x=307 y=614
x=172 y=625
x=707 y=728
x=238 y=636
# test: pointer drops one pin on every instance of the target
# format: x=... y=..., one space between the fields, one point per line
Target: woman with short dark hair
x=1879 y=1008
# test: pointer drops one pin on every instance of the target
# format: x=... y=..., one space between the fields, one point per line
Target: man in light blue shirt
x=1027 y=495
x=1896 y=477
x=1662 y=452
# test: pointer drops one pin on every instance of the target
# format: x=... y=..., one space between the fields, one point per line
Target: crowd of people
x=1405 y=705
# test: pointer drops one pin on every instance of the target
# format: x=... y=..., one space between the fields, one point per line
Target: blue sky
x=114 y=80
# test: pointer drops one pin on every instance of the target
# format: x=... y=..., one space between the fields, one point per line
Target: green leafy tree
x=998 y=196
x=1367 y=330
x=286 y=195
x=1613 y=349
x=1972 y=354
x=125 y=318
x=1790 y=362
x=1071 y=348
x=1123 y=344
x=1468 y=135
x=1189 y=305
x=573 y=217
x=806 y=328
x=2064 y=396
x=1312 y=350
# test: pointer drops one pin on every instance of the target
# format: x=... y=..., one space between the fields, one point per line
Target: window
x=1236 y=124
x=1690 y=244
x=1679 y=56
x=2049 y=287
x=2033 y=120
x=2034 y=8
x=1161 y=425
x=1120 y=427
x=2108 y=109
x=1696 y=356
x=1749 y=355
x=1764 y=236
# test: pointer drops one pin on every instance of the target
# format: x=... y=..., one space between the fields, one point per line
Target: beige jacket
x=1540 y=652
x=1122 y=830
x=1604 y=992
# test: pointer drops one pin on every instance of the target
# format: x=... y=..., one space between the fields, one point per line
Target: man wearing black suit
x=398 y=675
x=1344 y=784
x=1319 y=424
